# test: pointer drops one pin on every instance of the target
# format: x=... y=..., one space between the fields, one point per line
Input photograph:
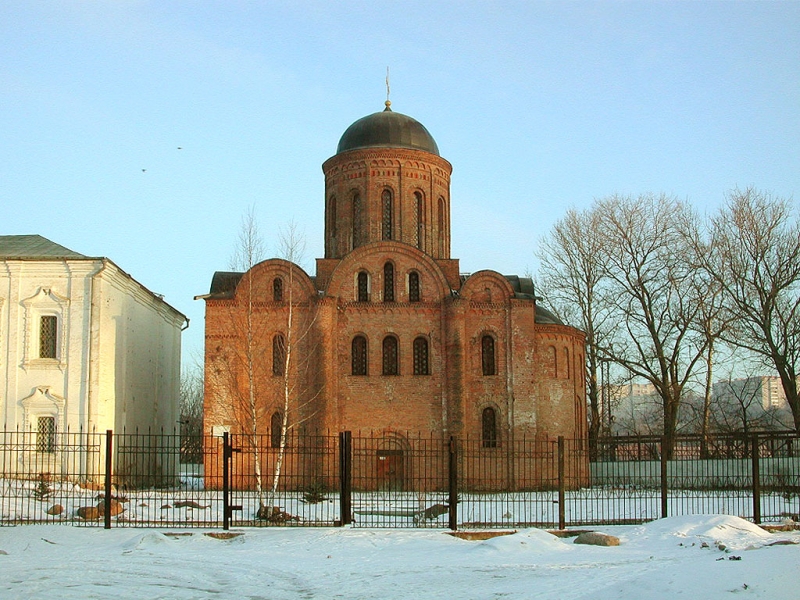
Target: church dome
x=387 y=129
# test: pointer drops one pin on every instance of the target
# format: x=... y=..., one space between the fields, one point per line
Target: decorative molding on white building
x=43 y=403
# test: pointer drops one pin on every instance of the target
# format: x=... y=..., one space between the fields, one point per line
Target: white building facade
x=83 y=346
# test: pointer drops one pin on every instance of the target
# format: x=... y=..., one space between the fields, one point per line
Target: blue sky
x=539 y=106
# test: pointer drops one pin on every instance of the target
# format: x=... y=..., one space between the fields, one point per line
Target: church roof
x=523 y=288
x=33 y=247
x=223 y=284
x=545 y=317
x=387 y=129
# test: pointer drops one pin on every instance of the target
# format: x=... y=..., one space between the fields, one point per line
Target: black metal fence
x=139 y=480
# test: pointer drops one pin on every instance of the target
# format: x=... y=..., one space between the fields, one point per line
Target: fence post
x=756 y=480
x=345 y=477
x=452 y=484
x=227 y=456
x=664 y=488
x=226 y=490
x=107 y=498
x=562 y=512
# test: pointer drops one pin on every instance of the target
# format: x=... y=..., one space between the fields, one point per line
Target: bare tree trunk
x=707 y=402
x=594 y=412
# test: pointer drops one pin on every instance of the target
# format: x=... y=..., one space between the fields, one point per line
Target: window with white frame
x=46 y=435
x=48 y=336
x=45 y=327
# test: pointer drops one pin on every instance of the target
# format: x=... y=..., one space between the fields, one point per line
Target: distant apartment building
x=751 y=403
x=760 y=400
x=634 y=409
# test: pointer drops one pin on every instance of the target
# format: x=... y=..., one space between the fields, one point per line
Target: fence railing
x=139 y=480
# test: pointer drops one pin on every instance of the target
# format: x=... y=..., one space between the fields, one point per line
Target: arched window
x=358 y=217
x=359 y=355
x=390 y=362
x=554 y=360
x=566 y=363
x=275 y=429
x=388 y=282
x=421 y=356
x=487 y=355
x=413 y=287
x=277 y=289
x=48 y=336
x=489 y=428
x=332 y=215
x=362 y=293
x=386 y=220
x=418 y=210
x=442 y=229
x=278 y=354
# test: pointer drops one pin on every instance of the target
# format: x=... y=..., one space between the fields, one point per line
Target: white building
x=83 y=346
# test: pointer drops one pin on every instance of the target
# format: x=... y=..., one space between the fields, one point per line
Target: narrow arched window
x=421 y=356
x=566 y=363
x=390 y=363
x=358 y=218
x=386 y=220
x=332 y=215
x=362 y=293
x=359 y=355
x=276 y=429
x=554 y=361
x=418 y=211
x=277 y=289
x=48 y=337
x=413 y=287
x=442 y=229
x=388 y=282
x=489 y=428
x=487 y=355
x=278 y=354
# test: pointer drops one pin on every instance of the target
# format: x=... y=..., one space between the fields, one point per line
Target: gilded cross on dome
x=388 y=102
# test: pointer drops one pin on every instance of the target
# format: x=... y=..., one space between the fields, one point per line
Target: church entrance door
x=390 y=470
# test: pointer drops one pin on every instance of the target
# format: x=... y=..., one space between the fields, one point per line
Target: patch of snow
x=661 y=559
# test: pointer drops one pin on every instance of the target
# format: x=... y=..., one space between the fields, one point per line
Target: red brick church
x=388 y=336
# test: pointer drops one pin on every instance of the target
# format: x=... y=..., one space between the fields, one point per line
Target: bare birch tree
x=754 y=257
x=291 y=247
x=248 y=252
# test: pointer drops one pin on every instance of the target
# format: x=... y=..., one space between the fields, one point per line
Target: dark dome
x=387 y=129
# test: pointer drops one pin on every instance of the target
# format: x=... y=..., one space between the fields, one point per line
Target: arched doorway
x=391 y=464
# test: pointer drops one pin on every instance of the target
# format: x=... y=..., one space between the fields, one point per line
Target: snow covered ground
x=698 y=557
